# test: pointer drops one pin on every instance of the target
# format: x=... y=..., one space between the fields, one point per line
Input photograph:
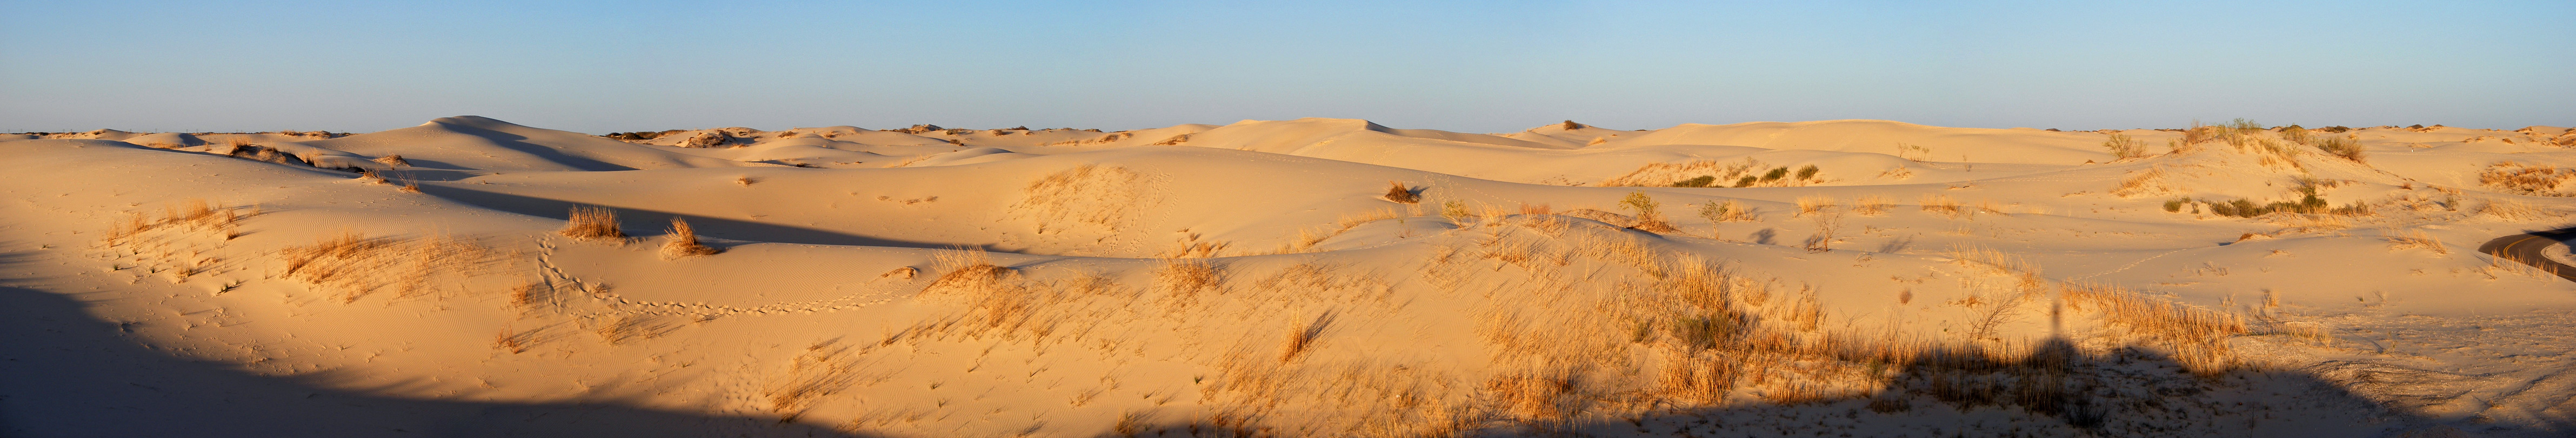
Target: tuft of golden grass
x=1808 y=205
x=2415 y=239
x=1873 y=205
x=966 y=269
x=395 y=160
x=2196 y=336
x=1943 y=204
x=745 y=181
x=2526 y=179
x=592 y=223
x=1183 y=280
x=683 y=241
x=2512 y=210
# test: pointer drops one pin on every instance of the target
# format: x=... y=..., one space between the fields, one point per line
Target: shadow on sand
x=65 y=374
x=649 y=222
x=2058 y=391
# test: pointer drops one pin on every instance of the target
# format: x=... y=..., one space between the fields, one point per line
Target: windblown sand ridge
x=1255 y=278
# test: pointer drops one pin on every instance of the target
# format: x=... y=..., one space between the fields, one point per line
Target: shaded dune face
x=1310 y=277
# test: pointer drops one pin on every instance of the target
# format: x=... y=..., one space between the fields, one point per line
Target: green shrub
x=1775 y=174
x=2124 y=147
x=1702 y=181
x=1746 y=181
x=1639 y=202
x=1807 y=173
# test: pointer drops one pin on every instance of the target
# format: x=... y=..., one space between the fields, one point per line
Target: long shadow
x=513 y=141
x=2058 y=391
x=2528 y=248
x=649 y=221
x=65 y=374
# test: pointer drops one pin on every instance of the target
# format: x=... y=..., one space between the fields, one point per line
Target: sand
x=1867 y=277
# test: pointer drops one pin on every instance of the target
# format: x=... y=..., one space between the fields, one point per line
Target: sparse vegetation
x=1649 y=217
x=683 y=241
x=592 y=223
x=2122 y=146
x=1725 y=211
x=1396 y=191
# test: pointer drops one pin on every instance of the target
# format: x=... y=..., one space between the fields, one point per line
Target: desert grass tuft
x=593 y=223
x=1943 y=204
x=2415 y=239
x=683 y=241
x=395 y=160
x=1808 y=205
x=1872 y=205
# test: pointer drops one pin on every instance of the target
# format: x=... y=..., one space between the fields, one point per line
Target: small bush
x=1702 y=181
x=2347 y=147
x=2124 y=147
x=1396 y=191
x=2175 y=205
x=1808 y=173
x=1746 y=181
x=1728 y=211
x=1456 y=212
x=1640 y=203
x=1775 y=174
x=593 y=223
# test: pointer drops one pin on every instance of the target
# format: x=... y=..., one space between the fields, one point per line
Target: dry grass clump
x=1181 y=281
x=1396 y=191
x=1726 y=211
x=2526 y=179
x=2347 y=147
x=2415 y=239
x=683 y=241
x=592 y=223
x=2197 y=337
x=630 y=328
x=1710 y=173
x=1111 y=137
x=965 y=270
x=1873 y=205
x=824 y=369
x=1808 y=205
x=1943 y=204
x=1175 y=140
x=356 y=266
x=2512 y=210
x=395 y=160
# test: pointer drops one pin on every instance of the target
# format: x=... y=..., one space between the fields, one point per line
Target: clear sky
x=1476 y=66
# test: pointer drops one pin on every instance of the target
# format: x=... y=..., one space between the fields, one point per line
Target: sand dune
x=1257 y=278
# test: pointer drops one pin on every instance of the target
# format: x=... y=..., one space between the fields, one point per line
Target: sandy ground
x=1312 y=277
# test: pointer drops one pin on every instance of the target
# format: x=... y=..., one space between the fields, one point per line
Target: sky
x=1478 y=66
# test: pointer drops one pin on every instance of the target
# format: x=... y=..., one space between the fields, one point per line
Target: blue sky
x=1487 y=66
